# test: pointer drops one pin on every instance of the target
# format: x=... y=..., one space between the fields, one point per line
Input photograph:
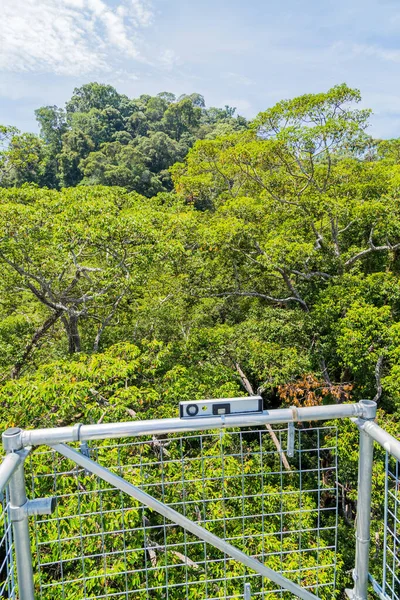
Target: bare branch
x=259 y=295
x=185 y=559
x=335 y=239
x=39 y=333
x=369 y=250
x=292 y=288
x=378 y=374
x=112 y=253
x=347 y=227
x=86 y=297
x=319 y=238
x=249 y=389
x=105 y=322
x=246 y=383
x=40 y=294
x=96 y=394
x=131 y=412
x=312 y=274
x=324 y=371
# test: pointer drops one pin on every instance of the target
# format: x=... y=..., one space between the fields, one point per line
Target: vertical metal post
x=18 y=500
x=365 y=460
x=247 y=592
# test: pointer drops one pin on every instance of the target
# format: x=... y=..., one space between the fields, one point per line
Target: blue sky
x=247 y=54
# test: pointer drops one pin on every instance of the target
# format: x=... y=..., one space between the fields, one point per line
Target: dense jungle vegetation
x=153 y=250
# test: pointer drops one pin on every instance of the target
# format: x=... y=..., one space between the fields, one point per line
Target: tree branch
x=378 y=374
x=39 y=333
x=335 y=239
x=347 y=227
x=318 y=237
x=258 y=295
x=324 y=371
x=104 y=323
x=312 y=274
x=372 y=248
x=292 y=288
x=249 y=388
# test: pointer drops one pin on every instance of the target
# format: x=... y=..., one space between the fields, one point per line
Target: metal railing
x=207 y=507
x=391 y=561
x=7 y=565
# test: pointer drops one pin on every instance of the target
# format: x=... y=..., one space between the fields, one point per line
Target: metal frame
x=203 y=476
x=392 y=447
x=85 y=433
x=179 y=519
x=17 y=444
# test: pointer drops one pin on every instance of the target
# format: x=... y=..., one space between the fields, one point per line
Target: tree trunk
x=71 y=329
x=39 y=333
x=74 y=332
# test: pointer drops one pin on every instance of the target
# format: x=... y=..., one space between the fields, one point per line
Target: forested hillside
x=153 y=250
x=103 y=137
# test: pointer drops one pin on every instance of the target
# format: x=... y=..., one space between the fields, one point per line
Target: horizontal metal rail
x=387 y=441
x=102 y=431
x=8 y=467
x=10 y=464
x=176 y=517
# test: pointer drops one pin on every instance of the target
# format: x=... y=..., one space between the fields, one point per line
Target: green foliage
x=189 y=256
x=103 y=137
x=24 y=160
x=148 y=380
x=93 y=96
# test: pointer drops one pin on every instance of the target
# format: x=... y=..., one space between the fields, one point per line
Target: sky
x=245 y=53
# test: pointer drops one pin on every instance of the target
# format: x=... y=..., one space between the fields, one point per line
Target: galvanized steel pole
x=382 y=437
x=18 y=499
x=8 y=468
x=365 y=460
x=81 y=432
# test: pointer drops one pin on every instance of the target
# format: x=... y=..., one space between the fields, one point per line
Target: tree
x=140 y=165
x=54 y=253
x=155 y=109
x=52 y=123
x=97 y=115
x=167 y=96
x=120 y=164
x=23 y=161
x=98 y=125
x=272 y=267
x=81 y=257
x=195 y=98
x=180 y=118
x=6 y=133
x=76 y=146
x=294 y=216
x=93 y=95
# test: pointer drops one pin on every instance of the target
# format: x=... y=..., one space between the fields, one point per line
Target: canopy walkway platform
x=227 y=501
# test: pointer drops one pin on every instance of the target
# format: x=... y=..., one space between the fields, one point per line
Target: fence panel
x=102 y=544
x=7 y=565
x=391 y=559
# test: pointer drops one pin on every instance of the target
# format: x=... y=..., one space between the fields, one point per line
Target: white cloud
x=141 y=12
x=69 y=37
x=238 y=79
x=169 y=59
x=377 y=52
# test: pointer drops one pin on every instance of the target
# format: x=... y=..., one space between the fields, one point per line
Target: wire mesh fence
x=101 y=543
x=7 y=565
x=391 y=555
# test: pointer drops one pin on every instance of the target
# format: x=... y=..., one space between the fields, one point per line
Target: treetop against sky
x=247 y=55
